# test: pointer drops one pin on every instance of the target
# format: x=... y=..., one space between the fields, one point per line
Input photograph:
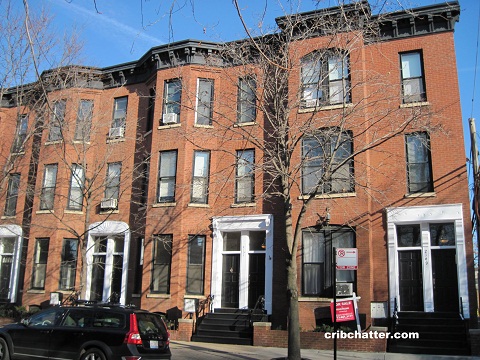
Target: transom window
x=325 y=79
x=327 y=166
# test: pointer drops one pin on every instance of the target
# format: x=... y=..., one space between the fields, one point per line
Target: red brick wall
x=264 y=336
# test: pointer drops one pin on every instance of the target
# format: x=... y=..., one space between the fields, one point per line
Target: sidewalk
x=203 y=351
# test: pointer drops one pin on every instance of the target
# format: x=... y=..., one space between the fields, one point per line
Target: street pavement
x=203 y=351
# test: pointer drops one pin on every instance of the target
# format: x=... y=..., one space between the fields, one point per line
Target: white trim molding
x=109 y=229
x=424 y=215
x=15 y=231
x=263 y=222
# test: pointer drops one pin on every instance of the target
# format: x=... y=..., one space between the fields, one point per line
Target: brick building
x=149 y=164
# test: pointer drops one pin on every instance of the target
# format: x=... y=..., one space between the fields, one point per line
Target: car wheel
x=94 y=354
x=4 y=355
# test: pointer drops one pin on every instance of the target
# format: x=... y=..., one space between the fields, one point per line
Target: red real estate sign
x=345 y=310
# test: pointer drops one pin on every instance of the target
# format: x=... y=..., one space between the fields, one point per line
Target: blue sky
x=124 y=30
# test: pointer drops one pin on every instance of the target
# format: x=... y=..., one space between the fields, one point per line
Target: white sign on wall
x=347 y=259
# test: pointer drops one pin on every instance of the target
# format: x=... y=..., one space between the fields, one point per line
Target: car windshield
x=151 y=324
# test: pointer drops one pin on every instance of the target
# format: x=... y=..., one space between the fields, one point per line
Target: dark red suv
x=90 y=332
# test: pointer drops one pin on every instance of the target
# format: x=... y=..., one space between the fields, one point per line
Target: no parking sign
x=347 y=259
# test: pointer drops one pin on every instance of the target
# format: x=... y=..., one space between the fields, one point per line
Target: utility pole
x=476 y=192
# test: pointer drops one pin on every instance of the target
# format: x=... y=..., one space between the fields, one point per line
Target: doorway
x=243 y=268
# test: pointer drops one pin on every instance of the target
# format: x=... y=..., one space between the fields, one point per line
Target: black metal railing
x=203 y=305
x=259 y=305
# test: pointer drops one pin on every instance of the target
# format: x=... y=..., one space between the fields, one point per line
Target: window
x=204 y=102
x=75 y=198
x=245 y=176
x=327 y=166
x=21 y=133
x=7 y=249
x=413 y=82
x=409 y=235
x=58 y=118
x=119 y=118
x=246 y=109
x=325 y=79
x=107 y=267
x=171 y=102
x=162 y=259
x=84 y=120
x=68 y=264
x=195 y=265
x=317 y=248
x=442 y=234
x=47 y=196
x=12 y=195
x=112 y=184
x=199 y=193
x=167 y=171
x=419 y=163
x=40 y=258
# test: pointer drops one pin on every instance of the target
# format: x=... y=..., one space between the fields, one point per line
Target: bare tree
x=302 y=88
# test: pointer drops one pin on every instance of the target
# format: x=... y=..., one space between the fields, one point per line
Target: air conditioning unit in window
x=310 y=103
x=116 y=132
x=344 y=289
x=170 y=118
x=106 y=204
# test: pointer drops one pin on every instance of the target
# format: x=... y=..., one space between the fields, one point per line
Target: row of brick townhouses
x=178 y=213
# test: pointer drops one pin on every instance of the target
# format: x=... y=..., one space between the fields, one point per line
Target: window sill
x=36 y=291
x=19 y=153
x=158 y=296
x=415 y=104
x=81 y=142
x=106 y=212
x=8 y=217
x=53 y=142
x=163 y=127
x=203 y=126
x=198 y=205
x=329 y=196
x=44 y=212
x=327 y=107
x=78 y=212
x=241 y=205
x=420 y=195
x=251 y=123
x=200 y=297
x=166 y=204
x=115 y=140
x=314 y=299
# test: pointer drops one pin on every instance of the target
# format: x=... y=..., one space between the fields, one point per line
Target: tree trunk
x=292 y=289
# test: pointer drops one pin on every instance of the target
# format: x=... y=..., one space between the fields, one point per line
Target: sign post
x=344 y=259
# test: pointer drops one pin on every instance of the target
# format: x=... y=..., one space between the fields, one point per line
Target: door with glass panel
x=243 y=268
x=107 y=268
x=6 y=259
